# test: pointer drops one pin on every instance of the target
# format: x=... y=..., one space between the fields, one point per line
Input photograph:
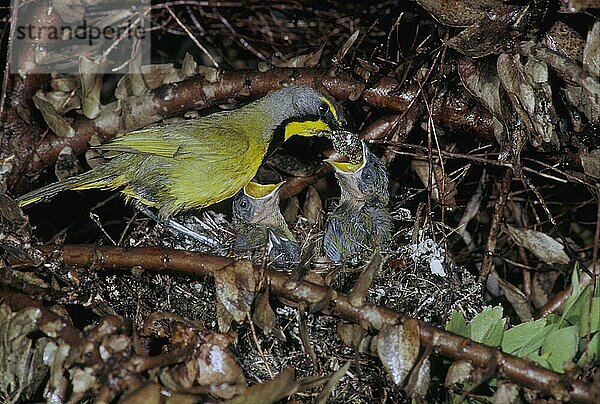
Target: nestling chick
x=259 y=223
x=361 y=220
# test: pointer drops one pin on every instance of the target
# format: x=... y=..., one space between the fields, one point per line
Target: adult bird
x=362 y=219
x=192 y=164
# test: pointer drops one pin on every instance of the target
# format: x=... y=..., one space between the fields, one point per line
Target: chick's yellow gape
x=196 y=163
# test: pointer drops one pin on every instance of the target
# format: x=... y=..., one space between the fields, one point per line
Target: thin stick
x=192 y=37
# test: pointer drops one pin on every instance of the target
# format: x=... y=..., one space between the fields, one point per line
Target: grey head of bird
x=363 y=182
x=303 y=110
x=258 y=204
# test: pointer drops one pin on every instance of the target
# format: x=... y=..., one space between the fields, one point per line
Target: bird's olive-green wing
x=206 y=139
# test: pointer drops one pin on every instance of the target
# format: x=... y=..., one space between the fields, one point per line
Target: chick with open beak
x=259 y=223
x=361 y=220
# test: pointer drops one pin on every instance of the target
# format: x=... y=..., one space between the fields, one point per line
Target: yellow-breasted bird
x=362 y=219
x=259 y=223
x=195 y=163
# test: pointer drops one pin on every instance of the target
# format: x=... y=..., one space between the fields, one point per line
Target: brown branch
x=556 y=303
x=519 y=370
x=197 y=93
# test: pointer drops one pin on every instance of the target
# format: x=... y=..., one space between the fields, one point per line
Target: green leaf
x=561 y=347
x=575 y=279
x=541 y=360
x=584 y=317
x=552 y=318
x=574 y=304
x=525 y=338
x=487 y=326
x=457 y=324
x=593 y=350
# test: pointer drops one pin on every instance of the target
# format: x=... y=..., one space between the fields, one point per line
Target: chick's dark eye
x=368 y=176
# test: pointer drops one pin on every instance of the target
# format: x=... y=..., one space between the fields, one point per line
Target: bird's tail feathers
x=88 y=180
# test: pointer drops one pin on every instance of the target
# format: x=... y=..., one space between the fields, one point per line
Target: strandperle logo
x=92 y=34
x=58 y=32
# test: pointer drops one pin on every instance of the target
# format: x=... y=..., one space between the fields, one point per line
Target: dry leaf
x=209 y=73
x=541 y=245
x=234 y=285
x=218 y=369
x=210 y=366
x=264 y=317
x=21 y=356
x=354 y=336
x=224 y=318
x=154 y=393
x=313 y=207
x=489 y=35
x=516 y=298
x=398 y=349
x=70 y=11
x=136 y=78
x=563 y=39
x=575 y=6
x=306 y=60
x=459 y=373
x=506 y=393
x=91 y=86
x=591 y=51
x=542 y=286
x=420 y=377
x=156 y=75
x=56 y=123
x=272 y=391
x=421 y=167
x=584 y=89
x=591 y=163
x=291 y=210
x=461 y=13
x=529 y=91
x=359 y=292
x=481 y=79
x=346 y=47
x=188 y=66
x=64 y=84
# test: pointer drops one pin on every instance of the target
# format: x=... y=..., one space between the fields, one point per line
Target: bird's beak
x=345 y=168
x=333 y=122
x=260 y=191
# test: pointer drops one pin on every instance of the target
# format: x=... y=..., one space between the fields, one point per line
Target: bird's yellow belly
x=198 y=183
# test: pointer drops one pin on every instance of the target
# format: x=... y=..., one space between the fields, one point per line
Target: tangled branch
x=519 y=370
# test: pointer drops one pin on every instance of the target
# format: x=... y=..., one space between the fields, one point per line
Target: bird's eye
x=242 y=207
x=323 y=109
x=368 y=176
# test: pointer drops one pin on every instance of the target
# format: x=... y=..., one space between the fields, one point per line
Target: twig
x=192 y=37
x=522 y=371
x=490 y=244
